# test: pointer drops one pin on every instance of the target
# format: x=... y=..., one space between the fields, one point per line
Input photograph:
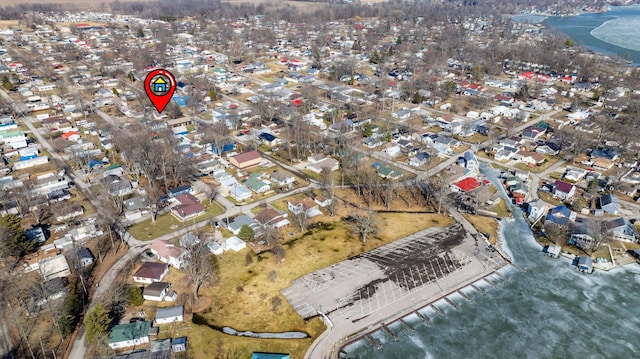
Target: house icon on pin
x=159 y=85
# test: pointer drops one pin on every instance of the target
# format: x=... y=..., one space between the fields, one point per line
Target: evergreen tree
x=13 y=240
x=135 y=296
x=367 y=130
x=246 y=233
x=375 y=57
x=96 y=323
x=71 y=311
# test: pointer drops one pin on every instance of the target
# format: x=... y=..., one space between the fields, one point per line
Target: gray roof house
x=170 y=315
x=609 y=203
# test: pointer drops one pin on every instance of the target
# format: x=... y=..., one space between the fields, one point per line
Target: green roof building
x=128 y=335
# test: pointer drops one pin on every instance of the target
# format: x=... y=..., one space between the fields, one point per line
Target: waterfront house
x=621 y=229
x=584 y=264
x=553 y=251
x=560 y=215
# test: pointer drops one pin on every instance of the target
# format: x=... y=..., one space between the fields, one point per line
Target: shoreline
x=382 y=325
x=402 y=314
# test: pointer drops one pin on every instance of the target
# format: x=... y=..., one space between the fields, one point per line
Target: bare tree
x=301 y=219
x=558 y=233
x=597 y=234
x=278 y=252
x=200 y=266
x=364 y=225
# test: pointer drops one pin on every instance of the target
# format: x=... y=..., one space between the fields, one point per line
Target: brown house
x=247 y=159
x=150 y=272
x=188 y=208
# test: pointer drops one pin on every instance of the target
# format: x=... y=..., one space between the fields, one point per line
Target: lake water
x=615 y=32
x=549 y=311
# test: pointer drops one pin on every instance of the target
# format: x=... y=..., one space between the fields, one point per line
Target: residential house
x=387 y=172
x=281 y=178
x=156 y=291
x=175 y=192
x=621 y=229
x=602 y=164
x=168 y=253
x=563 y=190
x=81 y=257
x=530 y=158
x=188 y=207
x=170 y=315
x=150 y=272
x=535 y=209
x=269 y=139
x=128 y=335
x=322 y=201
x=319 y=163
x=420 y=159
x=117 y=186
x=246 y=160
x=54 y=267
x=560 y=215
x=273 y=218
x=256 y=185
x=580 y=235
x=135 y=208
x=305 y=205
x=469 y=161
x=240 y=193
x=609 y=203
x=548 y=148
x=240 y=221
x=393 y=151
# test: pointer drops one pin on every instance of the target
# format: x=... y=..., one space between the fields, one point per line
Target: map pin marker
x=160 y=86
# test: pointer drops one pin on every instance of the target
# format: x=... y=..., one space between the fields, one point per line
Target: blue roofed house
x=609 y=203
x=269 y=139
x=559 y=215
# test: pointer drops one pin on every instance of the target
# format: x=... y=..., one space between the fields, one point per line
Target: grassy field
x=166 y=223
x=501 y=209
x=253 y=291
x=484 y=225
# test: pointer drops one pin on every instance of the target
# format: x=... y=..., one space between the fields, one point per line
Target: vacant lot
x=244 y=297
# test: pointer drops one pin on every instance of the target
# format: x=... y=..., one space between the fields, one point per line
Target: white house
x=170 y=315
x=156 y=291
x=128 y=335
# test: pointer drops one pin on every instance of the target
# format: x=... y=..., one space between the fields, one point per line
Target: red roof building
x=247 y=159
x=466 y=185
